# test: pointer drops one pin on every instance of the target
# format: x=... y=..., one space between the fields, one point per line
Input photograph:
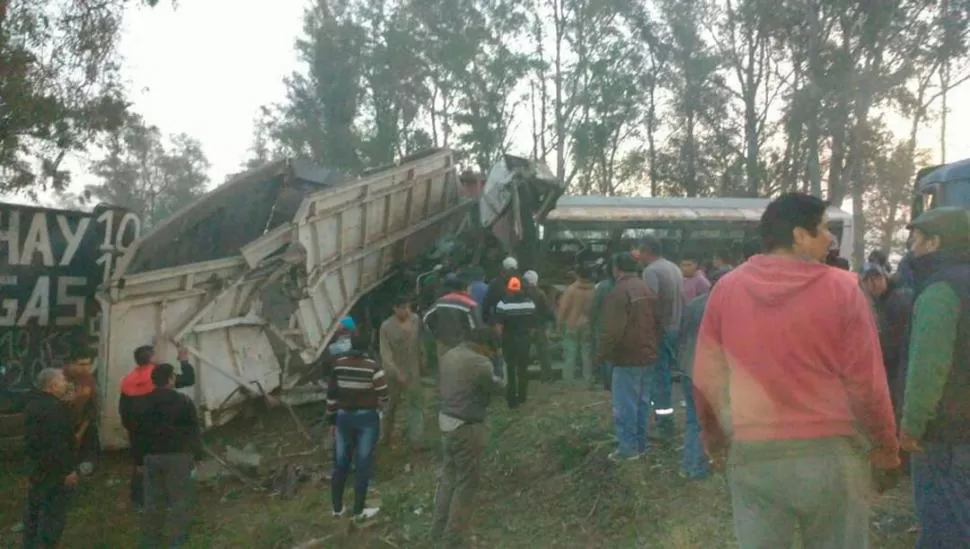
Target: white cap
x=509 y=263
x=531 y=277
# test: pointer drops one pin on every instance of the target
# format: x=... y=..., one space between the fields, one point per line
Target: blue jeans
x=694 y=461
x=356 y=437
x=631 y=407
x=941 y=486
x=663 y=407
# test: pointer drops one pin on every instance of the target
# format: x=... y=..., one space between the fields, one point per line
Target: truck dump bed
x=254 y=277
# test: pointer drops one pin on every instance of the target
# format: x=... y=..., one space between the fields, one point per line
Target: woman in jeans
x=356 y=393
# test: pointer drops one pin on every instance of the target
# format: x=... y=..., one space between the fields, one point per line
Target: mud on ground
x=547 y=483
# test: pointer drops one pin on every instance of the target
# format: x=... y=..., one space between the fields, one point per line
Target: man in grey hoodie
x=666 y=280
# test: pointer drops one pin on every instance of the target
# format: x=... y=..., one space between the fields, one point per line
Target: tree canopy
x=676 y=97
x=60 y=85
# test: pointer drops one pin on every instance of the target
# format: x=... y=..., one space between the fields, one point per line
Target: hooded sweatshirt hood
x=774 y=279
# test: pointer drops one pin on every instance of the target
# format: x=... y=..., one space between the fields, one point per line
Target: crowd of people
x=61 y=440
x=795 y=374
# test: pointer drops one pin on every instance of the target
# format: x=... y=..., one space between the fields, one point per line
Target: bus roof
x=647 y=208
x=946 y=172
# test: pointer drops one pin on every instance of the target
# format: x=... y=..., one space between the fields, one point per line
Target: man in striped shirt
x=515 y=320
x=453 y=317
x=356 y=393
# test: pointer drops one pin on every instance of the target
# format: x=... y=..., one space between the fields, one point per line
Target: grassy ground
x=547 y=484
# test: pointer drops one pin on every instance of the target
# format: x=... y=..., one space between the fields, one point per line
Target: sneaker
x=338 y=514
x=616 y=456
x=368 y=513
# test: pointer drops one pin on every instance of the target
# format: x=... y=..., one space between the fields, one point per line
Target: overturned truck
x=254 y=277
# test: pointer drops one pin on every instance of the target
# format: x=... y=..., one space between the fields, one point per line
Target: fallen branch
x=234 y=471
x=595 y=505
x=313 y=543
x=299 y=424
x=306 y=453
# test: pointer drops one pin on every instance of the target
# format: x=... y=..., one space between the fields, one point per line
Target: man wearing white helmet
x=544 y=317
x=496 y=288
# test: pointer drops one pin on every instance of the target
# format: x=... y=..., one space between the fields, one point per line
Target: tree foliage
x=59 y=85
x=679 y=97
x=149 y=173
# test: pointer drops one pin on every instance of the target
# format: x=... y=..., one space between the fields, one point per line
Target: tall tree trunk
x=652 y=140
x=837 y=160
x=944 y=83
x=863 y=102
x=813 y=171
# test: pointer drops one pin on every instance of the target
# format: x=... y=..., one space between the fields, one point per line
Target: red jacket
x=790 y=350
x=135 y=387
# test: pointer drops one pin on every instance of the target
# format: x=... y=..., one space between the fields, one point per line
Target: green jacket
x=600 y=291
x=931 y=350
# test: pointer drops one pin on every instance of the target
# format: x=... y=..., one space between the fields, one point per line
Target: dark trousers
x=356 y=437
x=168 y=498
x=89 y=446
x=136 y=489
x=46 y=514
x=941 y=490
x=462 y=451
x=542 y=352
x=516 y=354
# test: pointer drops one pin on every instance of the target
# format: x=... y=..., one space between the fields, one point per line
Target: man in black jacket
x=168 y=443
x=515 y=320
x=496 y=288
x=893 y=306
x=135 y=387
x=50 y=461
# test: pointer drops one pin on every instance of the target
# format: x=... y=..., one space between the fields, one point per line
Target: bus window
x=566 y=234
x=929 y=199
x=635 y=234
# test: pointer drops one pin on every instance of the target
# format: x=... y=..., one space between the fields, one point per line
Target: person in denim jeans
x=694 y=461
x=666 y=280
x=631 y=330
x=356 y=392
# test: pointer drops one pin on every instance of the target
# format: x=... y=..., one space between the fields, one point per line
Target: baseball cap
x=531 y=277
x=514 y=284
x=510 y=263
x=626 y=263
x=870 y=269
x=348 y=323
x=949 y=223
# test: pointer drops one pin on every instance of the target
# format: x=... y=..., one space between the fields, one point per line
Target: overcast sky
x=206 y=67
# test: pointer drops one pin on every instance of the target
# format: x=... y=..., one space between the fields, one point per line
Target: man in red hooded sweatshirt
x=788 y=363
x=134 y=388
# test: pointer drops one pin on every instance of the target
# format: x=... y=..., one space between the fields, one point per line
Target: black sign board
x=51 y=264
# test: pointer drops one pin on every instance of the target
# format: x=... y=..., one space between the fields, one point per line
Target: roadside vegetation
x=547 y=483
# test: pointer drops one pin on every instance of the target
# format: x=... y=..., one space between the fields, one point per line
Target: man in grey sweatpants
x=169 y=441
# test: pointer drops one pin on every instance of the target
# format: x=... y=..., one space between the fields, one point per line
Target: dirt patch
x=547 y=483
